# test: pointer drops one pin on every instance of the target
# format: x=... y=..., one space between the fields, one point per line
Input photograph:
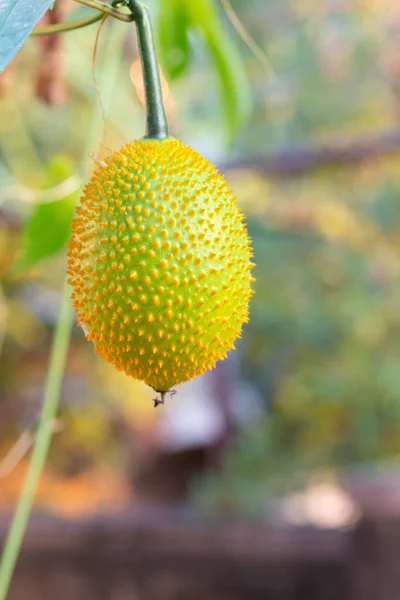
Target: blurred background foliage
x=322 y=349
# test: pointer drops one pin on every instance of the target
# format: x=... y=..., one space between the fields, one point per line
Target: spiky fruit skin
x=159 y=261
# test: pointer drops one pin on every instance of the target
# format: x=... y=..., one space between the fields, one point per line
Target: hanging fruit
x=159 y=258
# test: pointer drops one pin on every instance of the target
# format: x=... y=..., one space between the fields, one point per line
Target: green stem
x=112 y=54
x=157 y=126
x=107 y=9
x=69 y=26
x=156 y=121
x=39 y=453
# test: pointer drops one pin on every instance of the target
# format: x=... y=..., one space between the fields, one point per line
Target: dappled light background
x=308 y=139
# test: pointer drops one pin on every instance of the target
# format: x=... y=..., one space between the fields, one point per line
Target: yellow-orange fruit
x=159 y=261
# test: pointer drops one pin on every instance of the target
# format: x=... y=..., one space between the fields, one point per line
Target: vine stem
x=156 y=121
x=106 y=9
x=112 y=54
x=157 y=125
x=69 y=26
x=43 y=438
x=102 y=9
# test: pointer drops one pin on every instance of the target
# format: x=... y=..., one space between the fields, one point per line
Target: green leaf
x=234 y=83
x=47 y=230
x=173 y=37
x=17 y=19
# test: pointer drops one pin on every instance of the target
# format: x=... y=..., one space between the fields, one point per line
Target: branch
x=299 y=160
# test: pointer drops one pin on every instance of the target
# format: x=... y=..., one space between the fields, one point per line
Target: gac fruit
x=159 y=262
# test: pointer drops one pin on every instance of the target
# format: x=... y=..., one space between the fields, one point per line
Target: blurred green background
x=310 y=146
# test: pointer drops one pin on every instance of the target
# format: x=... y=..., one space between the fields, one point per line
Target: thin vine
x=102 y=10
x=112 y=55
x=69 y=26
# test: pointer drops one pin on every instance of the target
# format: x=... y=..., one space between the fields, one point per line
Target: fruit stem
x=157 y=125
